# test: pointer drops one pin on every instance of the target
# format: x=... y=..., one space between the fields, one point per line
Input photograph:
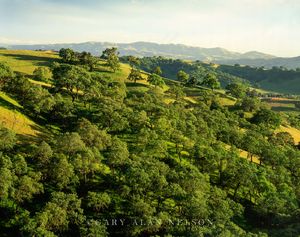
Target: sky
x=269 y=26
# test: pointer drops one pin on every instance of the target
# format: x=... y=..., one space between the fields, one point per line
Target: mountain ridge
x=177 y=51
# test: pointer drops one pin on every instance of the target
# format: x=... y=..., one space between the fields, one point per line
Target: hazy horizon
x=266 y=26
x=132 y=42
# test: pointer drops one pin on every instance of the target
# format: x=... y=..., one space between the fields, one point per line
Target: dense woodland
x=170 y=67
x=115 y=153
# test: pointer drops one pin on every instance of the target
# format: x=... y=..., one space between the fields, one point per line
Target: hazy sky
x=271 y=26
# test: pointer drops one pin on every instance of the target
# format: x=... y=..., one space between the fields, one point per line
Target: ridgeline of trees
x=124 y=155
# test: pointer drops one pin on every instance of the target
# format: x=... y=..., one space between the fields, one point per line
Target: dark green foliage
x=267 y=117
x=237 y=90
x=249 y=104
x=68 y=55
x=133 y=61
x=210 y=80
x=282 y=139
x=156 y=80
x=5 y=74
x=297 y=105
x=62 y=109
x=118 y=153
x=275 y=79
x=84 y=58
x=73 y=78
x=7 y=138
x=21 y=87
x=92 y=136
x=40 y=101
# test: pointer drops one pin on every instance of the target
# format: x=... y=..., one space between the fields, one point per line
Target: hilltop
x=141 y=49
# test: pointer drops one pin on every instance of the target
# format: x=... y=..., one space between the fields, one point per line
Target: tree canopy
x=113 y=158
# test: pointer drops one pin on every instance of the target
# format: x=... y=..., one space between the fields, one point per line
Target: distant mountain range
x=178 y=51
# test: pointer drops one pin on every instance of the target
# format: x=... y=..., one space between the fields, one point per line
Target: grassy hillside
x=12 y=117
x=25 y=61
x=11 y=113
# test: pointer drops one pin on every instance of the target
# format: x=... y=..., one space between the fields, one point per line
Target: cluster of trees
x=120 y=154
x=87 y=60
x=209 y=80
x=135 y=74
x=84 y=58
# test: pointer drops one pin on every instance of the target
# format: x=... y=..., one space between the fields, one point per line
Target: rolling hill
x=25 y=61
x=142 y=49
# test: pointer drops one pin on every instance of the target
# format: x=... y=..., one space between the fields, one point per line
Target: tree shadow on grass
x=103 y=68
x=42 y=134
x=281 y=101
x=284 y=109
x=8 y=105
x=28 y=139
x=137 y=84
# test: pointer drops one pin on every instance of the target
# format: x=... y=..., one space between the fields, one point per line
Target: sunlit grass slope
x=12 y=118
x=25 y=61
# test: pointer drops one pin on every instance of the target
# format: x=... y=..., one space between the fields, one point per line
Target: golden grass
x=17 y=122
x=40 y=83
x=295 y=133
x=14 y=120
x=226 y=101
x=244 y=154
x=190 y=99
x=168 y=100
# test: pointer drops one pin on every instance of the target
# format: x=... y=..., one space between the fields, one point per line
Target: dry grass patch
x=295 y=133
